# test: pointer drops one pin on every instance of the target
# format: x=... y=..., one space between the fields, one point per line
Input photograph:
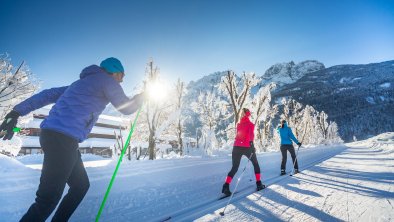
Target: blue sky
x=190 y=39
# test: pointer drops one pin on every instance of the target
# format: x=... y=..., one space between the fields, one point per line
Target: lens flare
x=157 y=91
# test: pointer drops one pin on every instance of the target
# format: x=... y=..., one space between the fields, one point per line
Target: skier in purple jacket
x=76 y=110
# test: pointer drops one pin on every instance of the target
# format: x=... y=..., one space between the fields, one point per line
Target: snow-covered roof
x=97 y=142
x=104 y=119
x=33 y=141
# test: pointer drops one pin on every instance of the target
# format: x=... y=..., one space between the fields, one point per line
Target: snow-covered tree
x=15 y=84
x=292 y=113
x=157 y=109
x=332 y=134
x=309 y=125
x=238 y=92
x=263 y=114
x=210 y=109
x=322 y=124
x=180 y=92
x=309 y=134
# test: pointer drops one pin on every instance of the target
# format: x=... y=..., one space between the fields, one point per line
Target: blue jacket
x=286 y=135
x=78 y=106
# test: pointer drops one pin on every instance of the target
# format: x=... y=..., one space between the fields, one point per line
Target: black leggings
x=62 y=165
x=237 y=155
x=284 y=148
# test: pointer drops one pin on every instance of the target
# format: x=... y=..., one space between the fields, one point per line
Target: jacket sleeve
x=118 y=98
x=39 y=100
x=291 y=136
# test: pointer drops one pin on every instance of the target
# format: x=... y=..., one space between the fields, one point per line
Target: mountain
x=359 y=98
x=206 y=83
x=286 y=73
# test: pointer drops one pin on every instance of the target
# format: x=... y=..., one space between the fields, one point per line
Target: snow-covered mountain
x=206 y=83
x=286 y=73
x=359 y=98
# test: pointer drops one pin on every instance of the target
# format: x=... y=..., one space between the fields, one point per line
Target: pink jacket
x=245 y=132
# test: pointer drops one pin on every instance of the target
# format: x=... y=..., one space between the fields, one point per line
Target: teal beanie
x=112 y=65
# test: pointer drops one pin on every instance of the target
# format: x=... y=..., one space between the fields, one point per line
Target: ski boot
x=259 y=185
x=296 y=171
x=282 y=172
x=226 y=189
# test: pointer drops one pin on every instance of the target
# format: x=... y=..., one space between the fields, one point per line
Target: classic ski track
x=325 y=201
x=193 y=212
x=390 y=203
x=159 y=168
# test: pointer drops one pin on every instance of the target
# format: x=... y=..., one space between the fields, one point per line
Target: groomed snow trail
x=356 y=185
x=352 y=182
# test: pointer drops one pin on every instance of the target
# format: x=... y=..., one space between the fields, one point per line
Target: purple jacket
x=78 y=106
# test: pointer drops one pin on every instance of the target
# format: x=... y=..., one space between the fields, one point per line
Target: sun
x=157 y=91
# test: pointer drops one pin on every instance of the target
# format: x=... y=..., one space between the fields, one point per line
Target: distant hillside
x=286 y=73
x=360 y=98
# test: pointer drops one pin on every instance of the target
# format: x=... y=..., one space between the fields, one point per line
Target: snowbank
x=8 y=164
x=384 y=141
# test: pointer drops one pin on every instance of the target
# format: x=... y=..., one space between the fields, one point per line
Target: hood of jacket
x=91 y=70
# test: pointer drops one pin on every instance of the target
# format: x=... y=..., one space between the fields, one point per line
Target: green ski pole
x=117 y=166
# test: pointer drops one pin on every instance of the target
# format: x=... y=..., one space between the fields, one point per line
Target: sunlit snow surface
x=351 y=182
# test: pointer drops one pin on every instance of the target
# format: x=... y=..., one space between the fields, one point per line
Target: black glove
x=299 y=144
x=9 y=123
x=252 y=147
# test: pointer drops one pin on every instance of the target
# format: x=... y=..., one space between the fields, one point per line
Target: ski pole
x=117 y=166
x=239 y=179
x=295 y=161
x=302 y=140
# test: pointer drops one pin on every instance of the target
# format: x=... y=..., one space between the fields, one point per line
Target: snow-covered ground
x=355 y=185
x=351 y=182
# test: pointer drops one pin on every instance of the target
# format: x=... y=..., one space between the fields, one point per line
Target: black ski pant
x=284 y=148
x=237 y=154
x=62 y=165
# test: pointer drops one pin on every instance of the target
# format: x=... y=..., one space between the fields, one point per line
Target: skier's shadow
x=290 y=186
x=346 y=174
x=273 y=200
x=250 y=208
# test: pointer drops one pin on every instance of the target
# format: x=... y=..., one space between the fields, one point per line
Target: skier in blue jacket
x=286 y=144
x=75 y=112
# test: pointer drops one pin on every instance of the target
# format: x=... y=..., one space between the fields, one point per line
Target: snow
x=352 y=182
x=356 y=185
x=343 y=89
x=33 y=141
x=370 y=100
x=11 y=146
x=104 y=119
x=348 y=80
x=385 y=85
x=286 y=73
x=34 y=161
x=355 y=79
x=171 y=119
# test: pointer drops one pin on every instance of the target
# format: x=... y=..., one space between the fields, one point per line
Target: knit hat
x=112 y=65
